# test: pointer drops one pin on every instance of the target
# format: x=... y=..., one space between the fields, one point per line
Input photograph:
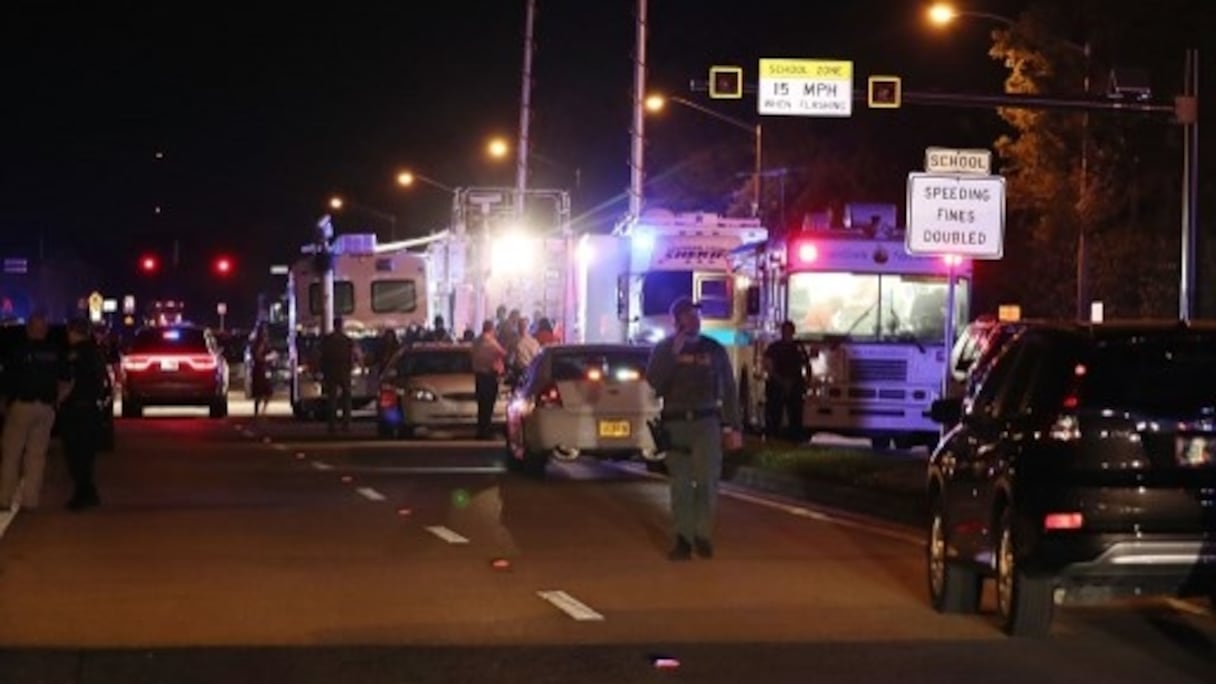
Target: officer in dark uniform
x=785 y=363
x=692 y=374
x=80 y=419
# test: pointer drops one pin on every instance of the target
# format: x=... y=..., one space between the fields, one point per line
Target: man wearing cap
x=692 y=374
x=80 y=416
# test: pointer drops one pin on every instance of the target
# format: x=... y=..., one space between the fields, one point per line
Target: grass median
x=894 y=472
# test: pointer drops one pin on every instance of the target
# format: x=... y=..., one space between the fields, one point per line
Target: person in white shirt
x=526 y=347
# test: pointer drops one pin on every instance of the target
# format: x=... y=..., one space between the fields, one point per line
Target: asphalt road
x=227 y=551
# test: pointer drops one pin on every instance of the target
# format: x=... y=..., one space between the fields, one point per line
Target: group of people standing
x=45 y=383
x=501 y=353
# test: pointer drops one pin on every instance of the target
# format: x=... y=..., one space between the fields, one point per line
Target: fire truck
x=871 y=316
x=376 y=288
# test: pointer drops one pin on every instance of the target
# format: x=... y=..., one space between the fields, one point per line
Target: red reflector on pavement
x=501 y=564
x=347 y=478
x=666 y=663
x=1063 y=521
x=300 y=455
x=404 y=511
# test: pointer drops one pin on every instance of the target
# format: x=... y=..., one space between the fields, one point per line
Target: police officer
x=785 y=362
x=337 y=366
x=80 y=416
x=692 y=374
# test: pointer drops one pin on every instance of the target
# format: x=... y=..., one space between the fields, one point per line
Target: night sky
x=261 y=111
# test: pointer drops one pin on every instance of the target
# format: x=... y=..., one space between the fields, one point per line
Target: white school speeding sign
x=956 y=215
x=805 y=87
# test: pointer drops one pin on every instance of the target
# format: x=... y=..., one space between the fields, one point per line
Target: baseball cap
x=683 y=304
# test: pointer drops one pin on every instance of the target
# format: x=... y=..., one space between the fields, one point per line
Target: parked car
x=1083 y=468
x=427 y=387
x=174 y=366
x=12 y=335
x=581 y=400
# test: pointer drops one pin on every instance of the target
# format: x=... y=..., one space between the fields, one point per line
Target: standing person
x=337 y=362
x=388 y=347
x=260 y=383
x=80 y=414
x=526 y=348
x=692 y=374
x=440 y=332
x=544 y=332
x=489 y=362
x=35 y=381
x=785 y=362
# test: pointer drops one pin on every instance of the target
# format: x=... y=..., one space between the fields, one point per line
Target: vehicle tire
x=219 y=408
x=657 y=467
x=132 y=409
x=880 y=443
x=745 y=402
x=386 y=431
x=953 y=588
x=1023 y=603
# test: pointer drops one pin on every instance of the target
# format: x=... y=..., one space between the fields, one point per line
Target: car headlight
x=420 y=394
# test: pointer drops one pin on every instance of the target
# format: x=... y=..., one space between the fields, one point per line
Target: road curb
x=896 y=507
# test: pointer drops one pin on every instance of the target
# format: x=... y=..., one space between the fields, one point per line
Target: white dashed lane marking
x=322 y=465
x=370 y=494
x=570 y=606
x=447 y=535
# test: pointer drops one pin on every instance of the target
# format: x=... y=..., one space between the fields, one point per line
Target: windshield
x=661 y=288
x=872 y=307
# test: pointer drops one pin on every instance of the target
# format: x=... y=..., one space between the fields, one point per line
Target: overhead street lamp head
x=941 y=13
x=655 y=103
x=498 y=148
x=405 y=179
x=336 y=203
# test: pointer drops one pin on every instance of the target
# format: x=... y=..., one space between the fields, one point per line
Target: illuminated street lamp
x=656 y=103
x=406 y=179
x=337 y=203
x=942 y=14
x=498 y=148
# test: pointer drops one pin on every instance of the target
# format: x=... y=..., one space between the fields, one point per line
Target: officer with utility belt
x=692 y=374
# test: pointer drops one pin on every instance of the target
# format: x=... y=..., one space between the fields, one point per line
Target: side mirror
x=753 y=300
x=946 y=411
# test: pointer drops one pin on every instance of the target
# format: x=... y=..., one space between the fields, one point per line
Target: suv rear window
x=170 y=340
x=1174 y=373
x=454 y=362
x=613 y=364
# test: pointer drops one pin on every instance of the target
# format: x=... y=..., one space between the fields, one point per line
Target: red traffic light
x=148 y=263
x=223 y=265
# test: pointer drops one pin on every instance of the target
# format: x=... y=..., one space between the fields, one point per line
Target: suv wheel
x=219 y=408
x=953 y=588
x=132 y=409
x=1024 y=603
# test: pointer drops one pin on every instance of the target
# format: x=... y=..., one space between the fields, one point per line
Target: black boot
x=682 y=550
x=704 y=548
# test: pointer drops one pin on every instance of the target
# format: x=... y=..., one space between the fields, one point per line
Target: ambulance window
x=394 y=296
x=344 y=298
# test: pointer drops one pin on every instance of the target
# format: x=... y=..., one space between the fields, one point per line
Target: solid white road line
x=570 y=605
x=321 y=465
x=6 y=519
x=370 y=494
x=280 y=447
x=447 y=535
x=429 y=470
x=808 y=512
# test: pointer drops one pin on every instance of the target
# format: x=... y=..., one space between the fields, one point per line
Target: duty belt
x=689 y=414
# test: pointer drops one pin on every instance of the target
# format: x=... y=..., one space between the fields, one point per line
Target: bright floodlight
x=942 y=14
x=513 y=253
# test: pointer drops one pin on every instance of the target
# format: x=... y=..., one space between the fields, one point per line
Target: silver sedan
x=582 y=400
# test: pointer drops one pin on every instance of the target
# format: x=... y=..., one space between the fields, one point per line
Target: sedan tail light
x=136 y=363
x=388 y=397
x=549 y=397
x=1063 y=521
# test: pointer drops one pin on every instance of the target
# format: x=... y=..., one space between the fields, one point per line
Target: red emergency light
x=805 y=253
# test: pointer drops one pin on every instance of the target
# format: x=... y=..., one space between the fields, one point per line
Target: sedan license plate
x=168 y=364
x=614 y=428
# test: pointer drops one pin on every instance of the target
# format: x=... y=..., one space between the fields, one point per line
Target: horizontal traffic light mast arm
x=912 y=97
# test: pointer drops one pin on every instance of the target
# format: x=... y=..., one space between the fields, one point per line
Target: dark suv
x=1082 y=468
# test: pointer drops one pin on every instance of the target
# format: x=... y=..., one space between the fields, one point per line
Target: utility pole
x=1190 y=183
x=324 y=259
x=525 y=112
x=638 y=132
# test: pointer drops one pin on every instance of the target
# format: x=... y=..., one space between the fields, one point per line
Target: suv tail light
x=549 y=397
